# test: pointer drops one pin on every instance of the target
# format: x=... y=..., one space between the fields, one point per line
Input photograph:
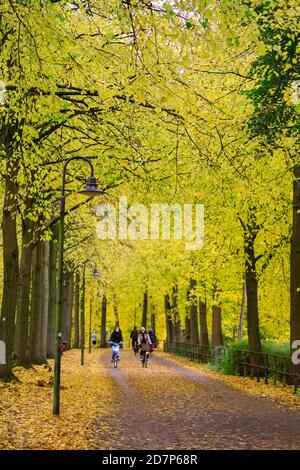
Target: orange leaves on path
x=277 y=393
x=174 y=404
x=26 y=420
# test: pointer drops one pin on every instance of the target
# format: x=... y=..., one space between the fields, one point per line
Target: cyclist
x=143 y=342
x=116 y=338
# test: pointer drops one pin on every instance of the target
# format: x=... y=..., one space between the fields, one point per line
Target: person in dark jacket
x=134 y=337
x=152 y=339
x=116 y=337
x=151 y=335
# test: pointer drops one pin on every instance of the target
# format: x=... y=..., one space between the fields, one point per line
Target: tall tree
x=67 y=307
x=52 y=295
x=251 y=229
x=76 y=342
x=242 y=312
x=168 y=317
x=36 y=305
x=45 y=302
x=194 y=325
x=275 y=118
x=216 y=336
x=145 y=309
x=204 y=341
x=153 y=322
x=175 y=314
x=10 y=259
x=23 y=296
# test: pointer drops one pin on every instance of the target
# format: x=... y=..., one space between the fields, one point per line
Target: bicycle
x=145 y=354
x=115 y=353
x=135 y=347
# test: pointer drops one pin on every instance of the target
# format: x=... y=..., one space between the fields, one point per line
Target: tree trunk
x=242 y=314
x=67 y=308
x=204 y=340
x=169 y=328
x=103 y=322
x=252 y=299
x=52 y=295
x=64 y=307
x=187 y=329
x=116 y=313
x=10 y=265
x=216 y=337
x=23 y=301
x=145 y=310
x=250 y=233
x=177 y=322
x=45 y=303
x=194 y=327
x=252 y=311
x=153 y=323
x=76 y=311
x=295 y=265
x=36 y=304
x=70 y=309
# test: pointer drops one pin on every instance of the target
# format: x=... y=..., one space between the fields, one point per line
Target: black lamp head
x=96 y=272
x=91 y=187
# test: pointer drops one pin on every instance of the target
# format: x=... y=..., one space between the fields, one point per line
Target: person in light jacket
x=143 y=339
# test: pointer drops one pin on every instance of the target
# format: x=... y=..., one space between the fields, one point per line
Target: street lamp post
x=91 y=190
x=90 y=326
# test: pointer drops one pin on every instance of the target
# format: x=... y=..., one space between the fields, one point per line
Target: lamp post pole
x=82 y=322
x=91 y=190
x=90 y=327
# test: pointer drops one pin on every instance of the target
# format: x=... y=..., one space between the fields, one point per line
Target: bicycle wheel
x=115 y=360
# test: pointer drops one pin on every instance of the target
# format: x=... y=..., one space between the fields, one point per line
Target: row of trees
x=35 y=327
x=185 y=101
x=195 y=328
x=67 y=91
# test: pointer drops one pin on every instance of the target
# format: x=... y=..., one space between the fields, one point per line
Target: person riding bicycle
x=117 y=338
x=134 y=337
x=143 y=341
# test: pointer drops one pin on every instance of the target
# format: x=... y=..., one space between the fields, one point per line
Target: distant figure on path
x=94 y=338
x=134 y=337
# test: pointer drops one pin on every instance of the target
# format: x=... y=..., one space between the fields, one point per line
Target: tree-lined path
x=149 y=177
x=171 y=406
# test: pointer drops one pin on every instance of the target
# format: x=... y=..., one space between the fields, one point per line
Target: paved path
x=169 y=406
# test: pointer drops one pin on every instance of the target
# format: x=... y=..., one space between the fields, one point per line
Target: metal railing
x=194 y=352
x=266 y=366
x=270 y=367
